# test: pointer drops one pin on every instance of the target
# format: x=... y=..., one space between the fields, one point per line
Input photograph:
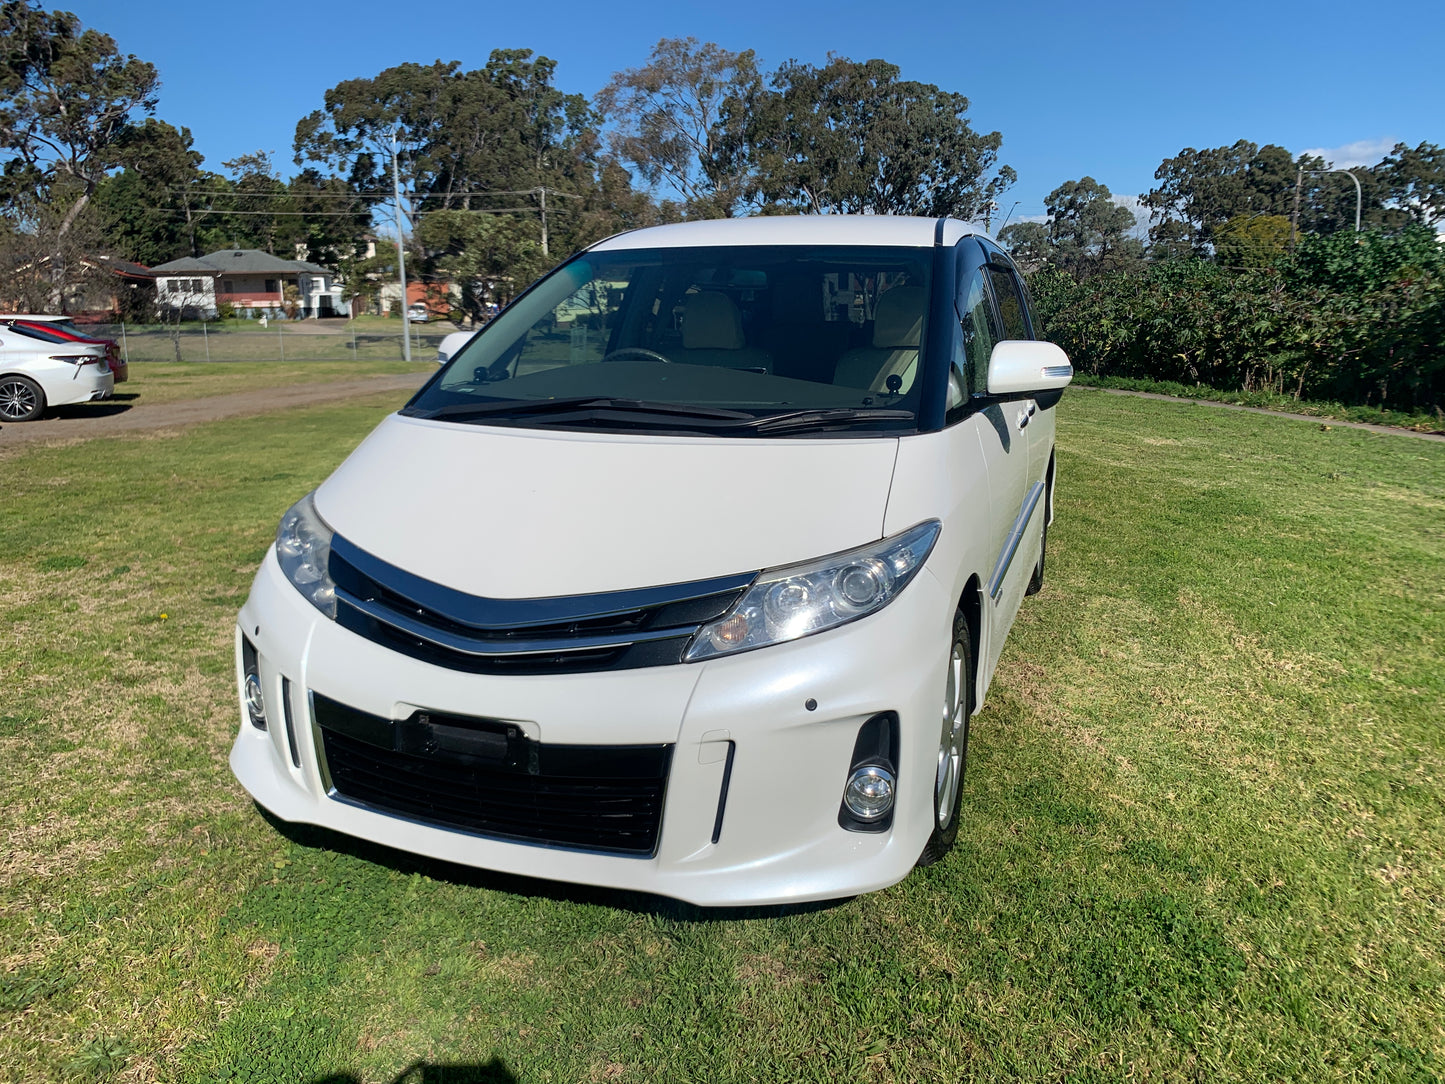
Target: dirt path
x=108 y=419
x=1390 y=430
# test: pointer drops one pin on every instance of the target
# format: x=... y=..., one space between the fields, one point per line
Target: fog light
x=869 y=793
x=255 y=702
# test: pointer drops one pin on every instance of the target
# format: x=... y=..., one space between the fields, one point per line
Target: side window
x=979 y=334
x=1010 y=304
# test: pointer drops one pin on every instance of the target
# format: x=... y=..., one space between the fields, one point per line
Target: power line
x=365 y=194
x=269 y=214
x=332 y=214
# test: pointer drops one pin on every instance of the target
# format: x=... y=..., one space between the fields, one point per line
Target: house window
x=270 y=286
x=227 y=287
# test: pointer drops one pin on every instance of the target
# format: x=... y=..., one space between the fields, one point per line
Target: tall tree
x=1415 y=177
x=485 y=255
x=465 y=139
x=1028 y=243
x=851 y=137
x=673 y=124
x=1088 y=230
x=1200 y=190
x=67 y=99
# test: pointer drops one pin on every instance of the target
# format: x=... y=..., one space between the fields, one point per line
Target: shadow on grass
x=310 y=835
x=105 y=408
x=494 y=1071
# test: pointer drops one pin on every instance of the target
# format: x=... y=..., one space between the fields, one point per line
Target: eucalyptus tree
x=68 y=97
x=852 y=137
x=675 y=120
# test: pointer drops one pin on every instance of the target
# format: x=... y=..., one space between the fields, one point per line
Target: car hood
x=532 y=513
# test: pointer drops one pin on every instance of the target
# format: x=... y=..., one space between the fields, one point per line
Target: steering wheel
x=638 y=351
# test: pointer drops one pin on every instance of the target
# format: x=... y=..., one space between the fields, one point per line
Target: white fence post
x=205 y=336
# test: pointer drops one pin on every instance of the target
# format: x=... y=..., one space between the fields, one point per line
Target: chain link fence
x=282 y=341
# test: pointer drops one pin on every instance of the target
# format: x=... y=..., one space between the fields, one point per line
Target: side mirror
x=1019 y=368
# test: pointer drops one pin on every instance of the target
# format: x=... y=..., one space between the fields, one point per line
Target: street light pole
x=400 y=254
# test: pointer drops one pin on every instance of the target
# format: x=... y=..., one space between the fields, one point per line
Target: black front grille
x=580 y=633
x=487 y=777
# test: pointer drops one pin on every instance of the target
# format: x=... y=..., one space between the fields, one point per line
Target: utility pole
x=401 y=254
x=541 y=191
x=1294 y=216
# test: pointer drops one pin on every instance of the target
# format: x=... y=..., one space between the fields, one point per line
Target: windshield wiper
x=825 y=418
x=583 y=406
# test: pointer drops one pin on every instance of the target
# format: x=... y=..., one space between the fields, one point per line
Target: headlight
x=303 y=546
x=788 y=603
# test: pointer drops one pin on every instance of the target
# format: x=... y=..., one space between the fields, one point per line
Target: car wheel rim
x=16 y=400
x=950 y=741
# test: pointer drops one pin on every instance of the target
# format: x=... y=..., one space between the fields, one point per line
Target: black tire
x=1036 y=581
x=21 y=399
x=958 y=705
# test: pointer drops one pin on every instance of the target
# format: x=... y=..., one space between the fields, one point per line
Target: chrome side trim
x=290 y=724
x=467 y=645
x=322 y=768
x=1015 y=536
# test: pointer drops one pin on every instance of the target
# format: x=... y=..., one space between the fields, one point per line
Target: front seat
x=897 y=324
x=712 y=334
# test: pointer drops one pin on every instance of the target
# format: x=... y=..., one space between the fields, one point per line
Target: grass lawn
x=1203 y=838
x=169 y=382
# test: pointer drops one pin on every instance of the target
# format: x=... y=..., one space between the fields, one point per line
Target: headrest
x=710 y=321
x=899 y=317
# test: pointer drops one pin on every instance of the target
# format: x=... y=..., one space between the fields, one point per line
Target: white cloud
x=1141 y=214
x=1362 y=152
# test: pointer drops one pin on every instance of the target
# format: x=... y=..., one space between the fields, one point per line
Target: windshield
x=741 y=333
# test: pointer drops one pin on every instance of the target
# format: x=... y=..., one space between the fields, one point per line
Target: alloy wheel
x=18 y=400
x=950 y=742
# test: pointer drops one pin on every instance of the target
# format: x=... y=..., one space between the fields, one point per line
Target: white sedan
x=36 y=375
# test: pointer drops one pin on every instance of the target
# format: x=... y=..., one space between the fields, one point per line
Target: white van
x=683 y=576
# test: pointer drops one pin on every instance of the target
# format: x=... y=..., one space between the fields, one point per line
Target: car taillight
x=77 y=359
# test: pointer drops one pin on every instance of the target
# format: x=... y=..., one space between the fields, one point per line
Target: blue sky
x=1106 y=91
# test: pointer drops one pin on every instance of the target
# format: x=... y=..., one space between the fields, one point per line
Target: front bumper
x=780 y=840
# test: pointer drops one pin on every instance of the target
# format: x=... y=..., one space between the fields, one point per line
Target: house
x=96 y=288
x=440 y=298
x=248 y=280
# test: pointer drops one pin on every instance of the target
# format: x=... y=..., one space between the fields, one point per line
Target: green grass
x=1204 y=832
x=170 y=382
x=1425 y=421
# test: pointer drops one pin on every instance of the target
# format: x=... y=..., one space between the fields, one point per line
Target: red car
x=63 y=329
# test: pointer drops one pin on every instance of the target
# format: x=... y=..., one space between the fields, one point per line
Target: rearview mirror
x=1018 y=368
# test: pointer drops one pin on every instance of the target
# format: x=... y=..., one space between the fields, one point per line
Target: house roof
x=186 y=265
x=125 y=267
x=239 y=261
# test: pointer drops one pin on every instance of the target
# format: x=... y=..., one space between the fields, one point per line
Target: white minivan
x=684 y=576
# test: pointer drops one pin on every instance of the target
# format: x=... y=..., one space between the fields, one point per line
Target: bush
x=1350 y=318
